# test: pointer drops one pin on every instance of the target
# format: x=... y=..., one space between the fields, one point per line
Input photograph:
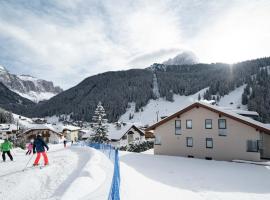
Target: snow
x=28 y=78
x=73 y=173
x=23 y=121
x=2 y=69
x=265 y=163
x=161 y=108
x=155 y=86
x=36 y=96
x=146 y=176
x=235 y=97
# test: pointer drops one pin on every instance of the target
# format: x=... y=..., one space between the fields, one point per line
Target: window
x=190 y=156
x=189 y=142
x=209 y=143
x=189 y=124
x=208 y=124
x=252 y=146
x=157 y=140
x=222 y=124
x=208 y=158
x=177 y=127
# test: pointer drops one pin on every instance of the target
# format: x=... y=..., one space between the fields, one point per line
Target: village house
x=205 y=131
x=47 y=131
x=85 y=134
x=71 y=133
x=126 y=136
x=8 y=131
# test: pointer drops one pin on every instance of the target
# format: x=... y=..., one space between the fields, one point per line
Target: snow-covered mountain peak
x=184 y=58
x=2 y=69
x=28 y=86
x=27 y=77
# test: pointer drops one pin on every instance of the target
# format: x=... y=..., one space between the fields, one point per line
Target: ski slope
x=155 y=109
x=73 y=173
x=146 y=176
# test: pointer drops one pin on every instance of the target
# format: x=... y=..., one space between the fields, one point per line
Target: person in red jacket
x=39 y=145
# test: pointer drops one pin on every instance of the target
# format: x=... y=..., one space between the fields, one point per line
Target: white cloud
x=242 y=33
x=66 y=41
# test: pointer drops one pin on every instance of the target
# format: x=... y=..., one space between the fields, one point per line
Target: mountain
x=29 y=87
x=11 y=101
x=114 y=89
x=118 y=90
x=184 y=58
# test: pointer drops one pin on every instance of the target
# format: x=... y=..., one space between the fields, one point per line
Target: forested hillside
x=221 y=79
x=114 y=89
x=117 y=89
x=11 y=101
x=257 y=93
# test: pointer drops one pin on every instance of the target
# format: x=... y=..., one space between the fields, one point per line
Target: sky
x=65 y=41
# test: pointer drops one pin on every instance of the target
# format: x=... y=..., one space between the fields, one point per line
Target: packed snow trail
x=73 y=173
x=155 y=86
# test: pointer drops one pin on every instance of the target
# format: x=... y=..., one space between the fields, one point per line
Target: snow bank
x=94 y=179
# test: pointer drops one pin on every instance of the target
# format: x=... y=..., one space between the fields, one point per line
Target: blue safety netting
x=112 y=154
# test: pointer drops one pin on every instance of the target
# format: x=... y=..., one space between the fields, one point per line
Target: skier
x=65 y=143
x=5 y=148
x=29 y=148
x=39 y=145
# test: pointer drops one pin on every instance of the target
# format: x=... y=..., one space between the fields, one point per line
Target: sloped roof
x=245 y=120
x=117 y=133
x=43 y=127
x=71 y=128
x=7 y=127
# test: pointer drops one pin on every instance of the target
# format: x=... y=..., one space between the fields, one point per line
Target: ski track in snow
x=61 y=179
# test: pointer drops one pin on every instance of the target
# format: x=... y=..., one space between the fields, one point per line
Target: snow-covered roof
x=230 y=114
x=43 y=127
x=87 y=134
x=71 y=128
x=116 y=133
x=240 y=111
x=7 y=127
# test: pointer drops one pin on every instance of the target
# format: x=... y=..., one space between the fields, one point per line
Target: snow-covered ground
x=36 y=96
x=73 y=173
x=233 y=99
x=160 y=107
x=146 y=176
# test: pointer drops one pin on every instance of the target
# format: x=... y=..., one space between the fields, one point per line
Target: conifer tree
x=100 y=126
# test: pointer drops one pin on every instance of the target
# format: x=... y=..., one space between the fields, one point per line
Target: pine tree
x=199 y=97
x=100 y=127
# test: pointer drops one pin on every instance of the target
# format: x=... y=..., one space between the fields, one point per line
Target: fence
x=112 y=154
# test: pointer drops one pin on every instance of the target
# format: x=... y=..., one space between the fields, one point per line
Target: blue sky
x=66 y=41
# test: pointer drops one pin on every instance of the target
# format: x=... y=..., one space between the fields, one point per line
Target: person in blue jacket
x=39 y=147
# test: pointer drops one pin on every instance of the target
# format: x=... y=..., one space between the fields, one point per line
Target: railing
x=112 y=154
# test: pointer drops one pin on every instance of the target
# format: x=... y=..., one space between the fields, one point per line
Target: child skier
x=5 y=148
x=29 y=148
x=39 y=145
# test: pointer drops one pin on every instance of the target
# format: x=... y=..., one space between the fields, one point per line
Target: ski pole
x=28 y=162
